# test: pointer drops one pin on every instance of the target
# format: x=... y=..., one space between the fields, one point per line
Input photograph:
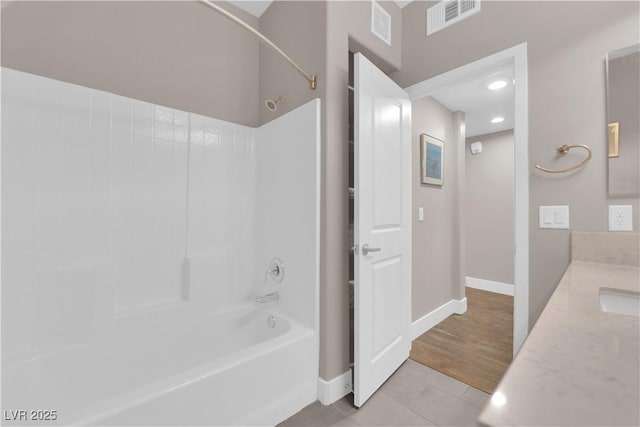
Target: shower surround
x=135 y=240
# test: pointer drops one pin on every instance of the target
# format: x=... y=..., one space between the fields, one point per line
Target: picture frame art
x=431 y=160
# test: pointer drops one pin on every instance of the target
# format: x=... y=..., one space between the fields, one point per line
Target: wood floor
x=476 y=347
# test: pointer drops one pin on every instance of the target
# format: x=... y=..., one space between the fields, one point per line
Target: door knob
x=366 y=249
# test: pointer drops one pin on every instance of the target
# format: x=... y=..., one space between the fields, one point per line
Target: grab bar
x=564 y=149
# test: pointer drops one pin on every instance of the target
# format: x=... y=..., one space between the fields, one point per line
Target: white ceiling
x=403 y=3
x=257 y=7
x=480 y=104
x=254 y=7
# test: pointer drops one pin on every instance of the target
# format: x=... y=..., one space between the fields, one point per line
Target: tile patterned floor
x=415 y=395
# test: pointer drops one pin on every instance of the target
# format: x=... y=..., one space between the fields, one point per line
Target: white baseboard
x=490 y=285
x=333 y=390
x=429 y=320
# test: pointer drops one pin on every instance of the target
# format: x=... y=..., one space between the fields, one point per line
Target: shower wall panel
x=288 y=206
x=116 y=212
x=221 y=212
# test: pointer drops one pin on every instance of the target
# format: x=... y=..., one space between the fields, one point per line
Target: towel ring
x=564 y=149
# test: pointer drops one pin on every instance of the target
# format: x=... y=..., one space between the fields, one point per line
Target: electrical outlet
x=620 y=218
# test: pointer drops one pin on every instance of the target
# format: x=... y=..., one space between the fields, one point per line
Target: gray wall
x=567 y=45
x=489 y=204
x=432 y=238
x=459 y=238
x=347 y=21
x=438 y=262
x=286 y=23
x=178 y=54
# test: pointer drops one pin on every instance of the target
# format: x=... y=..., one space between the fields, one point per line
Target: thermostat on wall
x=476 y=147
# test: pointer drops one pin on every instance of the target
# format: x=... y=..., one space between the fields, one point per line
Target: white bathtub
x=230 y=368
x=111 y=275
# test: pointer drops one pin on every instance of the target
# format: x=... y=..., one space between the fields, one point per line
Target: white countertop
x=578 y=366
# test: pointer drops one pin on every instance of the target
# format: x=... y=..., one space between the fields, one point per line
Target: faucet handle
x=276 y=270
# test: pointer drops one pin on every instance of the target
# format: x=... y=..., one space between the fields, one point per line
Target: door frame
x=517 y=57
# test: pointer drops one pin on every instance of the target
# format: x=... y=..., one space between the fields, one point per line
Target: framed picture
x=431 y=160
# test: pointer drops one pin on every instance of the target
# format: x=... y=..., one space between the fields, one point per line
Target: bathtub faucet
x=263 y=299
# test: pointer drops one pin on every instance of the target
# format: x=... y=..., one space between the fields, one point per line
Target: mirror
x=623 y=121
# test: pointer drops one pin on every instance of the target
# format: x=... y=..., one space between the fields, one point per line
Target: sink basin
x=620 y=302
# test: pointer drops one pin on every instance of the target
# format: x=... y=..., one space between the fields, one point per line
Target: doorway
x=367 y=382
x=476 y=346
x=516 y=58
x=381 y=227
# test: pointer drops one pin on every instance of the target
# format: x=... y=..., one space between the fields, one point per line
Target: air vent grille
x=448 y=12
x=467 y=5
x=380 y=22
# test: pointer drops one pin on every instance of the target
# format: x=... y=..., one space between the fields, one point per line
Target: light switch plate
x=620 y=218
x=420 y=213
x=553 y=217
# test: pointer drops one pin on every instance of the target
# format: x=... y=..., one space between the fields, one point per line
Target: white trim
x=429 y=320
x=318 y=224
x=517 y=57
x=612 y=55
x=521 y=135
x=489 y=285
x=400 y=3
x=333 y=390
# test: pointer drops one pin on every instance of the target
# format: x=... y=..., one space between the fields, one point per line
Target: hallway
x=476 y=347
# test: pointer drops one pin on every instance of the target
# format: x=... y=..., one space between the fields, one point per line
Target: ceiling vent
x=448 y=12
x=380 y=22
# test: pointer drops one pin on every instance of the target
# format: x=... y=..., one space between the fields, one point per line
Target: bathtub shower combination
x=159 y=267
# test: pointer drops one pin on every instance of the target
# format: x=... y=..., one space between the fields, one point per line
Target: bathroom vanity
x=580 y=365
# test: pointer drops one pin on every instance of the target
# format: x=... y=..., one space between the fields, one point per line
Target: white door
x=382 y=222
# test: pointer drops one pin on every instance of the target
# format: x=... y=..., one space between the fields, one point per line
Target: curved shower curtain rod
x=311 y=78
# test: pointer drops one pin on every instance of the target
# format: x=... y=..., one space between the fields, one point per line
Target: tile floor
x=415 y=395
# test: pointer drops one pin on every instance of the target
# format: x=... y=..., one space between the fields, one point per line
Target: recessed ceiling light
x=498 y=84
x=497 y=120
